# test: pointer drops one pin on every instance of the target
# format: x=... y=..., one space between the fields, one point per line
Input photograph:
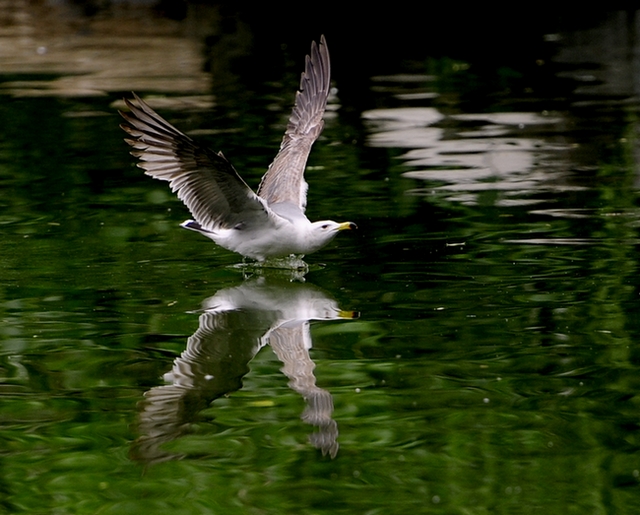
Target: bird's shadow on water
x=234 y=325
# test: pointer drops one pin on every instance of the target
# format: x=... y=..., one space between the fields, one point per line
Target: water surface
x=492 y=365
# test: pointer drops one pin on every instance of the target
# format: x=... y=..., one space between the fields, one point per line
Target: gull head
x=323 y=231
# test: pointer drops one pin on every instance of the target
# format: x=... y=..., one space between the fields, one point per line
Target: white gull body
x=269 y=224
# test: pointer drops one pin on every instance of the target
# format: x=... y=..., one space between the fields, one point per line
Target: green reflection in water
x=493 y=369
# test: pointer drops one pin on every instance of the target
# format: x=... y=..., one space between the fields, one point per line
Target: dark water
x=471 y=349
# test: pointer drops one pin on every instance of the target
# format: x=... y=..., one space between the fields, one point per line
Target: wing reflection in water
x=236 y=323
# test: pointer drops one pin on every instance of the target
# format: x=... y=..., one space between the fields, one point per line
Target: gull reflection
x=235 y=324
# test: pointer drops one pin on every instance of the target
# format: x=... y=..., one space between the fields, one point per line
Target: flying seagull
x=269 y=224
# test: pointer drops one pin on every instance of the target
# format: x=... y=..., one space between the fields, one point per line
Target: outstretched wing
x=284 y=181
x=204 y=180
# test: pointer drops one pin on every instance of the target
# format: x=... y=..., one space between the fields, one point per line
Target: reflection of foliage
x=494 y=374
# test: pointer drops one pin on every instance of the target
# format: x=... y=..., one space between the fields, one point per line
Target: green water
x=492 y=365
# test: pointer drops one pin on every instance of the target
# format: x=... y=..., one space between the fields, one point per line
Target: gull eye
x=325 y=226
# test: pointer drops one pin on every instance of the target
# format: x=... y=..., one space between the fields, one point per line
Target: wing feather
x=204 y=180
x=284 y=180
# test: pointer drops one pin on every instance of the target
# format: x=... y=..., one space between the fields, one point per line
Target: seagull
x=268 y=224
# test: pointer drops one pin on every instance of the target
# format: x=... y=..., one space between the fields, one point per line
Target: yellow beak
x=347 y=226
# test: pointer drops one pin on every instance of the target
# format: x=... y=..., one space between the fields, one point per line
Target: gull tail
x=192 y=225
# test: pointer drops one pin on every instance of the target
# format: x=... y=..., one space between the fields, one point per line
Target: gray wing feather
x=204 y=180
x=284 y=180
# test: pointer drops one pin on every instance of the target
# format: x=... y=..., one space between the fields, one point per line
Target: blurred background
x=473 y=347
